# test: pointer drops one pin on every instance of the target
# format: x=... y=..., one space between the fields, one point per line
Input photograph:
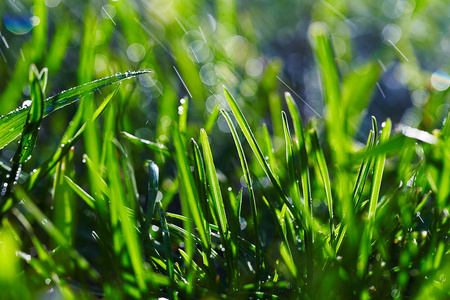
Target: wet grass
x=138 y=192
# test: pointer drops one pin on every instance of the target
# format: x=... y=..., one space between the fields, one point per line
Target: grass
x=106 y=194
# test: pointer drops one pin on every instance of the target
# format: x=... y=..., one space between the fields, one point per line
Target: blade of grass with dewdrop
x=34 y=119
x=29 y=135
x=11 y=124
x=68 y=141
x=243 y=124
x=52 y=231
x=187 y=185
x=365 y=247
x=218 y=205
x=127 y=223
x=182 y=114
x=168 y=248
x=323 y=169
x=153 y=183
x=251 y=192
x=156 y=147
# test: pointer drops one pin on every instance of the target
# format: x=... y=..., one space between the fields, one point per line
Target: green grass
x=128 y=189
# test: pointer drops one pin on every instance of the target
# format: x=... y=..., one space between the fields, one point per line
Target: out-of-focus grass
x=125 y=195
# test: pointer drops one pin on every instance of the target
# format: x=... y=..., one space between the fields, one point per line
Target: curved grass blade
x=157 y=147
x=251 y=193
x=243 y=124
x=11 y=124
x=88 y=199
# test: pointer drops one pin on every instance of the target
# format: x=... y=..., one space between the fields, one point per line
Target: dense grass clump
x=203 y=178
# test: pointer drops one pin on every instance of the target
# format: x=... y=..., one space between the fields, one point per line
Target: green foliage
x=115 y=198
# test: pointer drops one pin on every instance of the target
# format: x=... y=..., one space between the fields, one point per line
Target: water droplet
x=26 y=103
x=243 y=223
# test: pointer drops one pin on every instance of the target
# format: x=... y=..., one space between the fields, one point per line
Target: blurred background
x=396 y=49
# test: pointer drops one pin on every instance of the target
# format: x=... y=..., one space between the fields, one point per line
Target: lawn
x=224 y=149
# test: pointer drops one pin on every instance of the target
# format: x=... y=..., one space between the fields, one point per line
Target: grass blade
x=218 y=207
x=88 y=199
x=34 y=119
x=323 y=169
x=13 y=122
x=251 y=193
x=374 y=196
x=167 y=248
x=188 y=184
x=243 y=124
x=157 y=147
